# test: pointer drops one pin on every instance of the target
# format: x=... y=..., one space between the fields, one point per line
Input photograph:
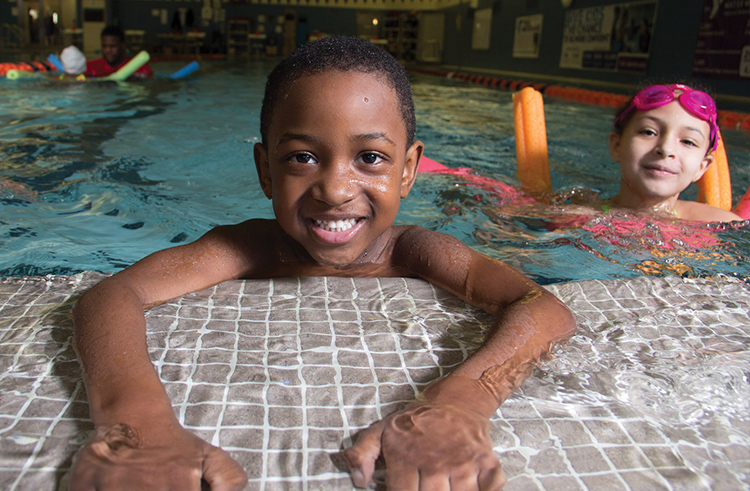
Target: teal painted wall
x=673 y=40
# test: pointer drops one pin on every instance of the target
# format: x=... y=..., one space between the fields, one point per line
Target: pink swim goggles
x=696 y=102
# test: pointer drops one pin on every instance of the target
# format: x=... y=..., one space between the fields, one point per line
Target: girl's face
x=660 y=152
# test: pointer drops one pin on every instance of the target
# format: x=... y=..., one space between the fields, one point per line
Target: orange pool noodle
x=531 y=140
x=715 y=188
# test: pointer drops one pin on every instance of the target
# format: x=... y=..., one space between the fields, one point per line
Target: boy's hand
x=434 y=443
x=119 y=458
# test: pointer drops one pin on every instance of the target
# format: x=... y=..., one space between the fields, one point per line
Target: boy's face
x=661 y=151
x=112 y=50
x=336 y=165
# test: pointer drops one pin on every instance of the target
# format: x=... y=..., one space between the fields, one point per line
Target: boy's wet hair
x=343 y=54
x=114 y=31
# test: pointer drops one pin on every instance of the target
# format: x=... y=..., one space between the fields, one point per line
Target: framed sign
x=528 y=36
x=723 y=47
x=610 y=37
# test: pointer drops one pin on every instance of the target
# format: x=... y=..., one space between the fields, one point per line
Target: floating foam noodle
x=16 y=74
x=743 y=206
x=32 y=66
x=186 y=70
x=428 y=165
x=127 y=69
x=531 y=140
x=715 y=187
x=54 y=60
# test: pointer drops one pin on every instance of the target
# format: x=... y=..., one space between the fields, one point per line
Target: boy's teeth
x=336 y=225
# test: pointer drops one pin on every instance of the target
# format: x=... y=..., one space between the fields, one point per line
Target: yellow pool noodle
x=128 y=68
x=531 y=140
x=715 y=187
x=16 y=74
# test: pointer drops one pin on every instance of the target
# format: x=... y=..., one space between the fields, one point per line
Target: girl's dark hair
x=344 y=54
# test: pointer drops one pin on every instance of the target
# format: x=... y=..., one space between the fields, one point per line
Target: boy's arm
x=442 y=436
x=136 y=426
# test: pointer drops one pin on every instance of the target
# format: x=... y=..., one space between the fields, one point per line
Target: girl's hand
x=120 y=457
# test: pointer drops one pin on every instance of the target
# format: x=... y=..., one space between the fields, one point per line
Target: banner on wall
x=528 y=36
x=610 y=37
x=723 y=47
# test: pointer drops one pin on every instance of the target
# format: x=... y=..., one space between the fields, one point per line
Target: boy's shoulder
x=250 y=237
x=252 y=225
x=417 y=247
x=692 y=210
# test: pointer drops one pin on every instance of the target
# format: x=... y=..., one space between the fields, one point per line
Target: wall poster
x=723 y=47
x=609 y=37
x=528 y=36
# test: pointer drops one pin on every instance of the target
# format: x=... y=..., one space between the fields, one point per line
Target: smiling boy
x=336 y=157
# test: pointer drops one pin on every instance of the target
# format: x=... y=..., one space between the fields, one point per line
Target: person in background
x=74 y=63
x=113 y=56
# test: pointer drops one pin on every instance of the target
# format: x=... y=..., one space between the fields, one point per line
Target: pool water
x=96 y=176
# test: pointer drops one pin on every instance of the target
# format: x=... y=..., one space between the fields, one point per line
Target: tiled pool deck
x=282 y=373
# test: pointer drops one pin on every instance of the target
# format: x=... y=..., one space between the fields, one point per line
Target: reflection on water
x=553 y=244
x=661 y=364
x=665 y=379
x=96 y=176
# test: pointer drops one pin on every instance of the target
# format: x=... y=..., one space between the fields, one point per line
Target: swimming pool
x=649 y=394
x=96 y=176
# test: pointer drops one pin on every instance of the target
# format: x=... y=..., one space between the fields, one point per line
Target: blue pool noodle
x=52 y=58
x=186 y=70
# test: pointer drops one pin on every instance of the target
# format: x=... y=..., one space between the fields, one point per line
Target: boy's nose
x=335 y=185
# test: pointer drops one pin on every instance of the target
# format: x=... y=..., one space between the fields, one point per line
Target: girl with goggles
x=664 y=140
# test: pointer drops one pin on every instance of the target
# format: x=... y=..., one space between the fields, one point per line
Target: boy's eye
x=646 y=131
x=303 y=158
x=370 y=158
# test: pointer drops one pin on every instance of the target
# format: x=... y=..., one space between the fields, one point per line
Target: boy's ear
x=614 y=145
x=413 y=155
x=261 y=166
x=705 y=164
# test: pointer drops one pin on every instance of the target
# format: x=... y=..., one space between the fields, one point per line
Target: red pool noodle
x=428 y=165
x=743 y=206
